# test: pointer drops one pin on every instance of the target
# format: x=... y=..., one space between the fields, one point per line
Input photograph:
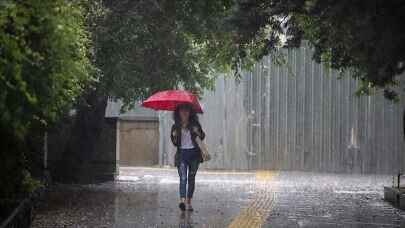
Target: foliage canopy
x=365 y=37
x=43 y=60
x=145 y=46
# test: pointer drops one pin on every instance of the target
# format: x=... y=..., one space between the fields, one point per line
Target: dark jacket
x=195 y=131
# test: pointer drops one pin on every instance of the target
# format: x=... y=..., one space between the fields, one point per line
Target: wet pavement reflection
x=144 y=197
x=148 y=197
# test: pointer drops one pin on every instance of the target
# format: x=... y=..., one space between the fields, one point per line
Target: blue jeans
x=187 y=170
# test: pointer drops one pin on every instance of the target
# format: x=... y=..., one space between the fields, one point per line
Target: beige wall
x=139 y=142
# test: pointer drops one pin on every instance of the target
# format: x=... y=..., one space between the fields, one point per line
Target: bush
x=44 y=66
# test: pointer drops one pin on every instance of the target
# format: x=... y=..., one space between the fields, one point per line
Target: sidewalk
x=147 y=197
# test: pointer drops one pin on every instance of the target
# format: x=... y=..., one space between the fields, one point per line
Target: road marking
x=255 y=214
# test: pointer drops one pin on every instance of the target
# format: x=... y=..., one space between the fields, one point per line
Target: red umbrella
x=169 y=99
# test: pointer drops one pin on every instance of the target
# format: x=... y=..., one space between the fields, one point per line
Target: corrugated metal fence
x=297 y=116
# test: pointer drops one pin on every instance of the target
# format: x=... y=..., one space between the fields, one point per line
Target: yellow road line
x=255 y=214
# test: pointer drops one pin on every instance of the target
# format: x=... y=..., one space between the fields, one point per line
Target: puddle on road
x=128 y=178
x=144 y=200
x=357 y=192
x=147 y=198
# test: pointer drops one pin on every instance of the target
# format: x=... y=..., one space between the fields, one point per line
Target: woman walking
x=185 y=130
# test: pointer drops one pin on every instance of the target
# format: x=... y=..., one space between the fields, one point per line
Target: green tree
x=140 y=47
x=365 y=37
x=146 y=46
x=44 y=66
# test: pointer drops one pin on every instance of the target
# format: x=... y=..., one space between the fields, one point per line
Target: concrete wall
x=138 y=138
x=139 y=141
x=297 y=116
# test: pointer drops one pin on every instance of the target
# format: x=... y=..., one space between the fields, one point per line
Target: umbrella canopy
x=169 y=99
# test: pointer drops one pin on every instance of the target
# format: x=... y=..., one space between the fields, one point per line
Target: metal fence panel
x=297 y=116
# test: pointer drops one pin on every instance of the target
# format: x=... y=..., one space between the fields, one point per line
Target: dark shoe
x=182 y=206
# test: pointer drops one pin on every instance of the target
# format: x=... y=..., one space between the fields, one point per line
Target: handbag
x=203 y=148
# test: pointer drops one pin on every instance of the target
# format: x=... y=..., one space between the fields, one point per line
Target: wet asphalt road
x=147 y=197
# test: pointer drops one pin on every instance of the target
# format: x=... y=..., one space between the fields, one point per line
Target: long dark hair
x=192 y=118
